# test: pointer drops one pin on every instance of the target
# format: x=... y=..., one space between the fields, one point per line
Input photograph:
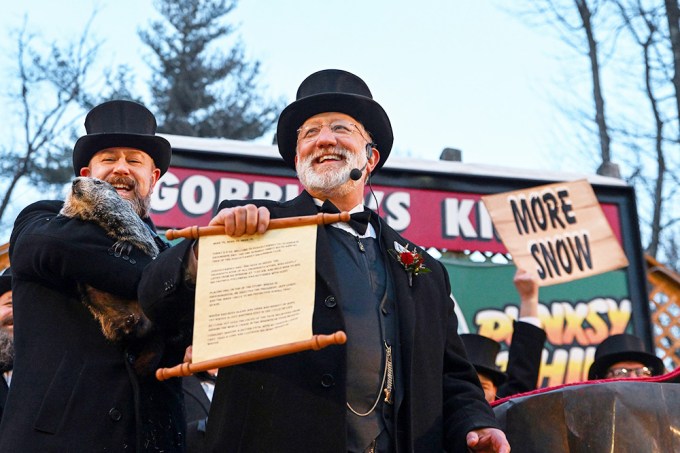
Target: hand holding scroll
x=237 y=221
x=240 y=220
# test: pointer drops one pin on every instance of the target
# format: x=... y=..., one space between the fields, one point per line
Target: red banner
x=455 y=221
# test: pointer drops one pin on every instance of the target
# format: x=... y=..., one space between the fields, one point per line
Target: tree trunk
x=673 y=14
x=584 y=12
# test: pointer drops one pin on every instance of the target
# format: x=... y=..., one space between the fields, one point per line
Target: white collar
x=370 y=231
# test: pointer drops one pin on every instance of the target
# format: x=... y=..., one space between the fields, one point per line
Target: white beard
x=328 y=183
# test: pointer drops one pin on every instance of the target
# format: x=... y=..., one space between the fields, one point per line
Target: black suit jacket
x=297 y=402
x=72 y=389
x=4 y=390
x=197 y=406
x=195 y=400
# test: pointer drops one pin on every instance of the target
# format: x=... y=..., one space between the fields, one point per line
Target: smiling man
x=402 y=381
x=72 y=388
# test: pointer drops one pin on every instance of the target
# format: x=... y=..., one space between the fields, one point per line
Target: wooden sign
x=557 y=231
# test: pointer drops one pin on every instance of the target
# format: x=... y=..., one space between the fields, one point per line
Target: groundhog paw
x=121 y=249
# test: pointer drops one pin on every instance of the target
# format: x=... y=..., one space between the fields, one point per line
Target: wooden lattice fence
x=664 y=304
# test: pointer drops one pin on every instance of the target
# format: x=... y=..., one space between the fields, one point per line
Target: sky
x=450 y=73
x=463 y=74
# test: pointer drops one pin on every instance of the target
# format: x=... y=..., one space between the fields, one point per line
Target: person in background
x=74 y=389
x=402 y=381
x=6 y=336
x=482 y=353
x=624 y=356
x=524 y=354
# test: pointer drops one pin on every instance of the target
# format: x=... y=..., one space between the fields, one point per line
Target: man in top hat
x=524 y=353
x=402 y=381
x=482 y=352
x=6 y=336
x=73 y=389
x=624 y=356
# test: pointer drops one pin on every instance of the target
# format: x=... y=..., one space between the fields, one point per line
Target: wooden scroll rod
x=322 y=218
x=315 y=343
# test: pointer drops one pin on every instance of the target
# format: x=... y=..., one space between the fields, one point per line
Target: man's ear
x=373 y=160
x=85 y=171
x=155 y=176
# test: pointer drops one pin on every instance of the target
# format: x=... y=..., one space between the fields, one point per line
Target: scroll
x=254 y=294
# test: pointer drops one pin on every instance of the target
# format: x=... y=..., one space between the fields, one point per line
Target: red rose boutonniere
x=412 y=261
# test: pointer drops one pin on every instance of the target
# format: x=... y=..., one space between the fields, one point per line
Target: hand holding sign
x=556 y=231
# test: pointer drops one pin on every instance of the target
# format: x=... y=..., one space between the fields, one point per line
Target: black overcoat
x=4 y=390
x=72 y=389
x=297 y=402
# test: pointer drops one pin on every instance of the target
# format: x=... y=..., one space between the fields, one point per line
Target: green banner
x=576 y=316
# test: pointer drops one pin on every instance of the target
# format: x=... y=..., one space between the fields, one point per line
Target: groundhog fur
x=122 y=320
x=97 y=201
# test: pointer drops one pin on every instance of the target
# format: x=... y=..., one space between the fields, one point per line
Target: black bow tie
x=358 y=221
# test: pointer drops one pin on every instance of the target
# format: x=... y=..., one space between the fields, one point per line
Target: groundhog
x=121 y=320
x=97 y=201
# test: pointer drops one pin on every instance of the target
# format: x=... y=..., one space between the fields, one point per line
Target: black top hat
x=5 y=281
x=482 y=352
x=121 y=124
x=334 y=90
x=623 y=348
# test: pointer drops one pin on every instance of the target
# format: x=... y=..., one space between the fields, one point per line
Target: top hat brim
x=364 y=109
x=598 y=369
x=156 y=147
x=497 y=377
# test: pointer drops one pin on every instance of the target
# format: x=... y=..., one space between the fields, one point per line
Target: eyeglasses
x=339 y=128
x=628 y=372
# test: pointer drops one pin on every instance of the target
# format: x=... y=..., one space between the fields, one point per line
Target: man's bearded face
x=328 y=181
x=140 y=204
x=132 y=172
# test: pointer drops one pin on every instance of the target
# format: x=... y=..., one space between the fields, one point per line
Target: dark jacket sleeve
x=524 y=359
x=164 y=294
x=62 y=251
x=465 y=408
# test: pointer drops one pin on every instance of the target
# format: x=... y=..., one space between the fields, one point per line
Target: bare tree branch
x=51 y=89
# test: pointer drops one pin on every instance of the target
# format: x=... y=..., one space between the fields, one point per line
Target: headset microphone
x=355 y=173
